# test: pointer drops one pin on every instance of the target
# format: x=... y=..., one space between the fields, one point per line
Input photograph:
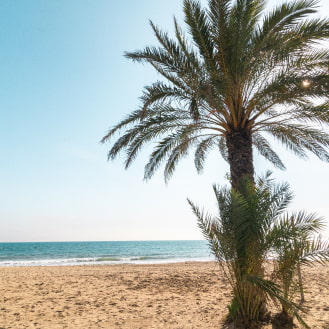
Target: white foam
x=95 y=261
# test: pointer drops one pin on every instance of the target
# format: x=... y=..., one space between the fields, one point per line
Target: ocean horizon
x=102 y=252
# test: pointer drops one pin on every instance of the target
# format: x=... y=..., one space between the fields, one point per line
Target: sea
x=102 y=253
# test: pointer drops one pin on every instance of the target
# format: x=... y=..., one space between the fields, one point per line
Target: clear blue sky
x=63 y=83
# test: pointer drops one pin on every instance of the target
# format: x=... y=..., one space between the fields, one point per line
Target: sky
x=63 y=83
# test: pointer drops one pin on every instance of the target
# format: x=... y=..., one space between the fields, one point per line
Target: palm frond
x=180 y=151
x=223 y=148
x=211 y=230
x=309 y=113
x=132 y=118
x=316 y=250
x=159 y=91
x=275 y=293
x=201 y=151
x=266 y=151
x=298 y=138
x=199 y=27
x=167 y=147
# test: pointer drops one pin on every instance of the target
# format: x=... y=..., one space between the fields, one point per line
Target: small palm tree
x=300 y=244
x=241 y=74
x=248 y=230
x=237 y=237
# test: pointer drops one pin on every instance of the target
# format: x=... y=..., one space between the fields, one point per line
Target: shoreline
x=94 y=262
x=176 y=295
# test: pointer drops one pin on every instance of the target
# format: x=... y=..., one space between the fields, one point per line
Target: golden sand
x=183 y=295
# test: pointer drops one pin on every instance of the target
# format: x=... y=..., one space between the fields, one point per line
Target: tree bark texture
x=239 y=145
x=240 y=157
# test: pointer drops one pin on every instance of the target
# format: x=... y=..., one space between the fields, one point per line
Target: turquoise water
x=111 y=252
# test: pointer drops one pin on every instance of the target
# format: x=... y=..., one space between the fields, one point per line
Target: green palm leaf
x=238 y=71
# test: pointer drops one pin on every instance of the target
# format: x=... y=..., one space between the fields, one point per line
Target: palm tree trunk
x=300 y=281
x=240 y=157
x=239 y=145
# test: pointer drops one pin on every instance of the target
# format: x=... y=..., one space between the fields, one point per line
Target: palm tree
x=300 y=244
x=246 y=232
x=237 y=237
x=241 y=75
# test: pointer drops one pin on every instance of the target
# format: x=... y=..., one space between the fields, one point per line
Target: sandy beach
x=182 y=295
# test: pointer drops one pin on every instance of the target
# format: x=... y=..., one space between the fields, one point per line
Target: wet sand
x=182 y=295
